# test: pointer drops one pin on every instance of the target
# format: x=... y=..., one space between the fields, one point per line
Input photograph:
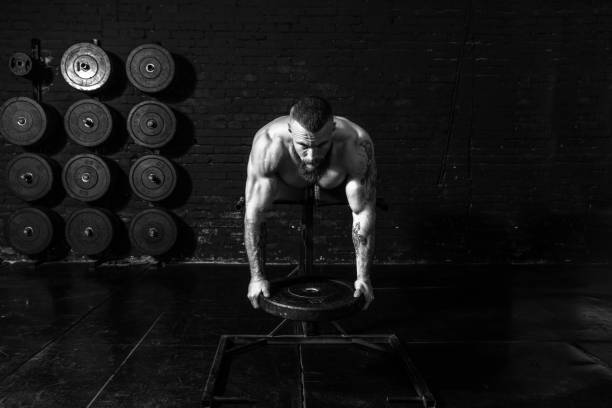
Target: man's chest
x=329 y=178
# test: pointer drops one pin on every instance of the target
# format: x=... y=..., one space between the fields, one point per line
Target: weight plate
x=311 y=298
x=153 y=231
x=153 y=177
x=23 y=121
x=150 y=67
x=89 y=231
x=151 y=124
x=86 y=177
x=30 y=230
x=29 y=176
x=20 y=64
x=88 y=122
x=85 y=67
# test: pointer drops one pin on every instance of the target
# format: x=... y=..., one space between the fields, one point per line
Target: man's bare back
x=308 y=147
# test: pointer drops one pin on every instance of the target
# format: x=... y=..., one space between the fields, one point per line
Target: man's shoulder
x=357 y=150
x=267 y=150
x=349 y=131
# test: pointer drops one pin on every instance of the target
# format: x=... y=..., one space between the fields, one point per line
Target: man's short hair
x=312 y=112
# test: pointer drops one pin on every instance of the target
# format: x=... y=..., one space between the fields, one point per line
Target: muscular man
x=310 y=146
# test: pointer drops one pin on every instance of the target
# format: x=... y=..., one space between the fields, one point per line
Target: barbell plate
x=20 y=64
x=311 y=298
x=153 y=231
x=89 y=231
x=150 y=68
x=85 y=67
x=29 y=176
x=30 y=230
x=151 y=124
x=86 y=177
x=88 y=122
x=153 y=177
x=23 y=121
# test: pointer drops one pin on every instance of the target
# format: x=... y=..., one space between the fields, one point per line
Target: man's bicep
x=359 y=197
x=361 y=187
x=369 y=172
x=259 y=194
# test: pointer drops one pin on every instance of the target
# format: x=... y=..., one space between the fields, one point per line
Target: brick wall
x=517 y=98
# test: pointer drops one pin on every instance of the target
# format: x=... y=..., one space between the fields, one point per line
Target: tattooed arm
x=260 y=190
x=361 y=195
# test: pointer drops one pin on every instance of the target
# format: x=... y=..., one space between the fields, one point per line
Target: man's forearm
x=255 y=243
x=363 y=241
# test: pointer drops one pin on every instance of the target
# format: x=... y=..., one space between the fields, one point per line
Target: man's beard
x=314 y=174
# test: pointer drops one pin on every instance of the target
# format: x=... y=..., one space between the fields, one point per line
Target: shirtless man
x=310 y=146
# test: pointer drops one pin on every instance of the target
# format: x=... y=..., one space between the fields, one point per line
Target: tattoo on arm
x=255 y=243
x=364 y=249
x=358 y=239
x=369 y=177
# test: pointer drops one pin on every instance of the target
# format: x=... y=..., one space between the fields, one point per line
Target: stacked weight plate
x=31 y=230
x=153 y=231
x=152 y=124
x=86 y=67
x=24 y=122
x=90 y=231
x=30 y=176
x=88 y=177
x=28 y=123
x=150 y=68
x=88 y=122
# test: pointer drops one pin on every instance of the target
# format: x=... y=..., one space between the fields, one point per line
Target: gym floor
x=127 y=336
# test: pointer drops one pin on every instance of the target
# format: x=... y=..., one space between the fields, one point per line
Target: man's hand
x=364 y=287
x=257 y=286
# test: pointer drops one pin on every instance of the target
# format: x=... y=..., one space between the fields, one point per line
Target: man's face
x=313 y=149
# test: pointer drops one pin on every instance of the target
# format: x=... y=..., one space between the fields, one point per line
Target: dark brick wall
x=516 y=96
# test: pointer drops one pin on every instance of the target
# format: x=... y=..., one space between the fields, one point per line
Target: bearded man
x=310 y=147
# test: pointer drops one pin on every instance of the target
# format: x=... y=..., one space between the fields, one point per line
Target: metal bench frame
x=306 y=334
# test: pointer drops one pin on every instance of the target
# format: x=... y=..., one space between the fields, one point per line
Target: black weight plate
x=153 y=177
x=311 y=298
x=151 y=124
x=29 y=176
x=153 y=231
x=23 y=121
x=88 y=122
x=20 y=64
x=30 y=230
x=150 y=68
x=86 y=177
x=85 y=67
x=89 y=231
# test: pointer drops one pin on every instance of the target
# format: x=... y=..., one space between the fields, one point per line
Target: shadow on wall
x=118 y=79
x=530 y=235
x=183 y=84
x=183 y=139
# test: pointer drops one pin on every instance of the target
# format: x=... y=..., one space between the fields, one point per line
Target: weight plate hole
x=152 y=124
x=150 y=68
x=84 y=66
x=88 y=232
x=27 y=177
x=153 y=178
x=88 y=122
x=28 y=231
x=85 y=177
x=311 y=290
x=21 y=121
